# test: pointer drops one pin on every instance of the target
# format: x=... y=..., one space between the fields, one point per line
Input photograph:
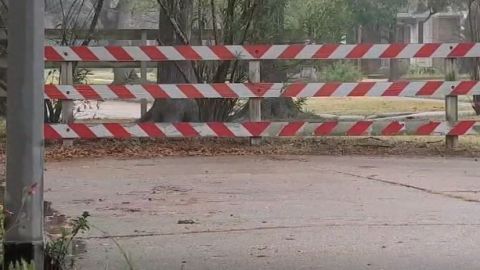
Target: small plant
x=22 y=266
x=420 y=71
x=342 y=72
x=58 y=250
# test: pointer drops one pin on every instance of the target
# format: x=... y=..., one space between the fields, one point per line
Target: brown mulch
x=126 y=149
x=148 y=148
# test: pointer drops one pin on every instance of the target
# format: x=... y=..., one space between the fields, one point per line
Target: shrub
x=342 y=72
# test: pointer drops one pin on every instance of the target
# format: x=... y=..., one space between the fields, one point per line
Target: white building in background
x=422 y=28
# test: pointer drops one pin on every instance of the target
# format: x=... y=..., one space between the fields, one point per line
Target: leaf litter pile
x=148 y=148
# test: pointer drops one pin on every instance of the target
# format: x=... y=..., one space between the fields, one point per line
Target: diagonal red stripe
x=461 y=49
x=293 y=90
x=223 y=53
x=119 y=53
x=464 y=88
x=224 y=90
x=257 y=51
x=118 y=131
x=188 y=53
x=327 y=90
x=152 y=130
x=395 y=89
x=325 y=51
x=393 y=50
x=394 y=128
x=83 y=131
x=50 y=133
x=221 y=130
x=359 y=128
x=326 y=129
x=52 y=55
x=259 y=89
x=190 y=91
x=256 y=128
x=427 y=129
x=291 y=129
x=430 y=88
x=156 y=91
x=186 y=129
x=85 y=53
x=462 y=128
x=427 y=50
x=362 y=89
x=122 y=91
x=292 y=51
x=53 y=92
x=359 y=51
x=154 y=53
x=88 y=92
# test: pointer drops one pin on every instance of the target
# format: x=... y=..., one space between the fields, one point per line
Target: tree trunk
x=273 y=13
x=3 y=57
x=277 y=108
x=117 y=15
x=474 y=35
x=174 y=110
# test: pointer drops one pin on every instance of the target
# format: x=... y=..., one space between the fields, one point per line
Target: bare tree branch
x=174 y=23
x=94 y=23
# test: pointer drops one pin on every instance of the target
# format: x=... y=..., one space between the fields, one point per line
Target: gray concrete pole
x=24 y=238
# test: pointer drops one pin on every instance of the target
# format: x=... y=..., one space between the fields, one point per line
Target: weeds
x=58 y=250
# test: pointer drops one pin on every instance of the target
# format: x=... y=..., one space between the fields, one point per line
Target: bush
x=342 y=72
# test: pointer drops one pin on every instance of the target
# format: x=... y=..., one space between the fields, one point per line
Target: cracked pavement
x=279 y=212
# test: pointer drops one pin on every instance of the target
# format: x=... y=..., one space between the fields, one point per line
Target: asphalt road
x=287 y=212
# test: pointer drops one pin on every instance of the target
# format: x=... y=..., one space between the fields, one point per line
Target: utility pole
x=24 y=240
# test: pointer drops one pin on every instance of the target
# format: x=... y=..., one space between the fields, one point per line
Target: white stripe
x=241 y=90
x=67 y=53
x=409 y=51
x=137 y=53
x=102 y=53
x=344 y=90
x=173 y=91
x=207 y=90
x=139 y=92
x=275 y=90
x=205 y=52
x=308 y=52
x=204 y=130
x=239 y=130
x=342 y=51
x=62 y=130
x=170 y=130
x=74 y=94
x=310 y=90
x=412 y=89
x=171 y=53
x=378 y=89
x=446 y=88
x=105 y=92
x=474 y=52
x=275 y=51
x=136 y=131
x=443 y=129
x=101 y=131
x=444 y=50
x=239 y=52
x=376 y=51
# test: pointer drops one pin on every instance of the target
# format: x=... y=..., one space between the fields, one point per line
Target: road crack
x=425 y=190
x=346 y=225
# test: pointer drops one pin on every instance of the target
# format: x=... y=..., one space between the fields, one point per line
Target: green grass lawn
x=375 y=105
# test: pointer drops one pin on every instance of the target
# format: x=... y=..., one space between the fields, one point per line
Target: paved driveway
x=287 y=212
